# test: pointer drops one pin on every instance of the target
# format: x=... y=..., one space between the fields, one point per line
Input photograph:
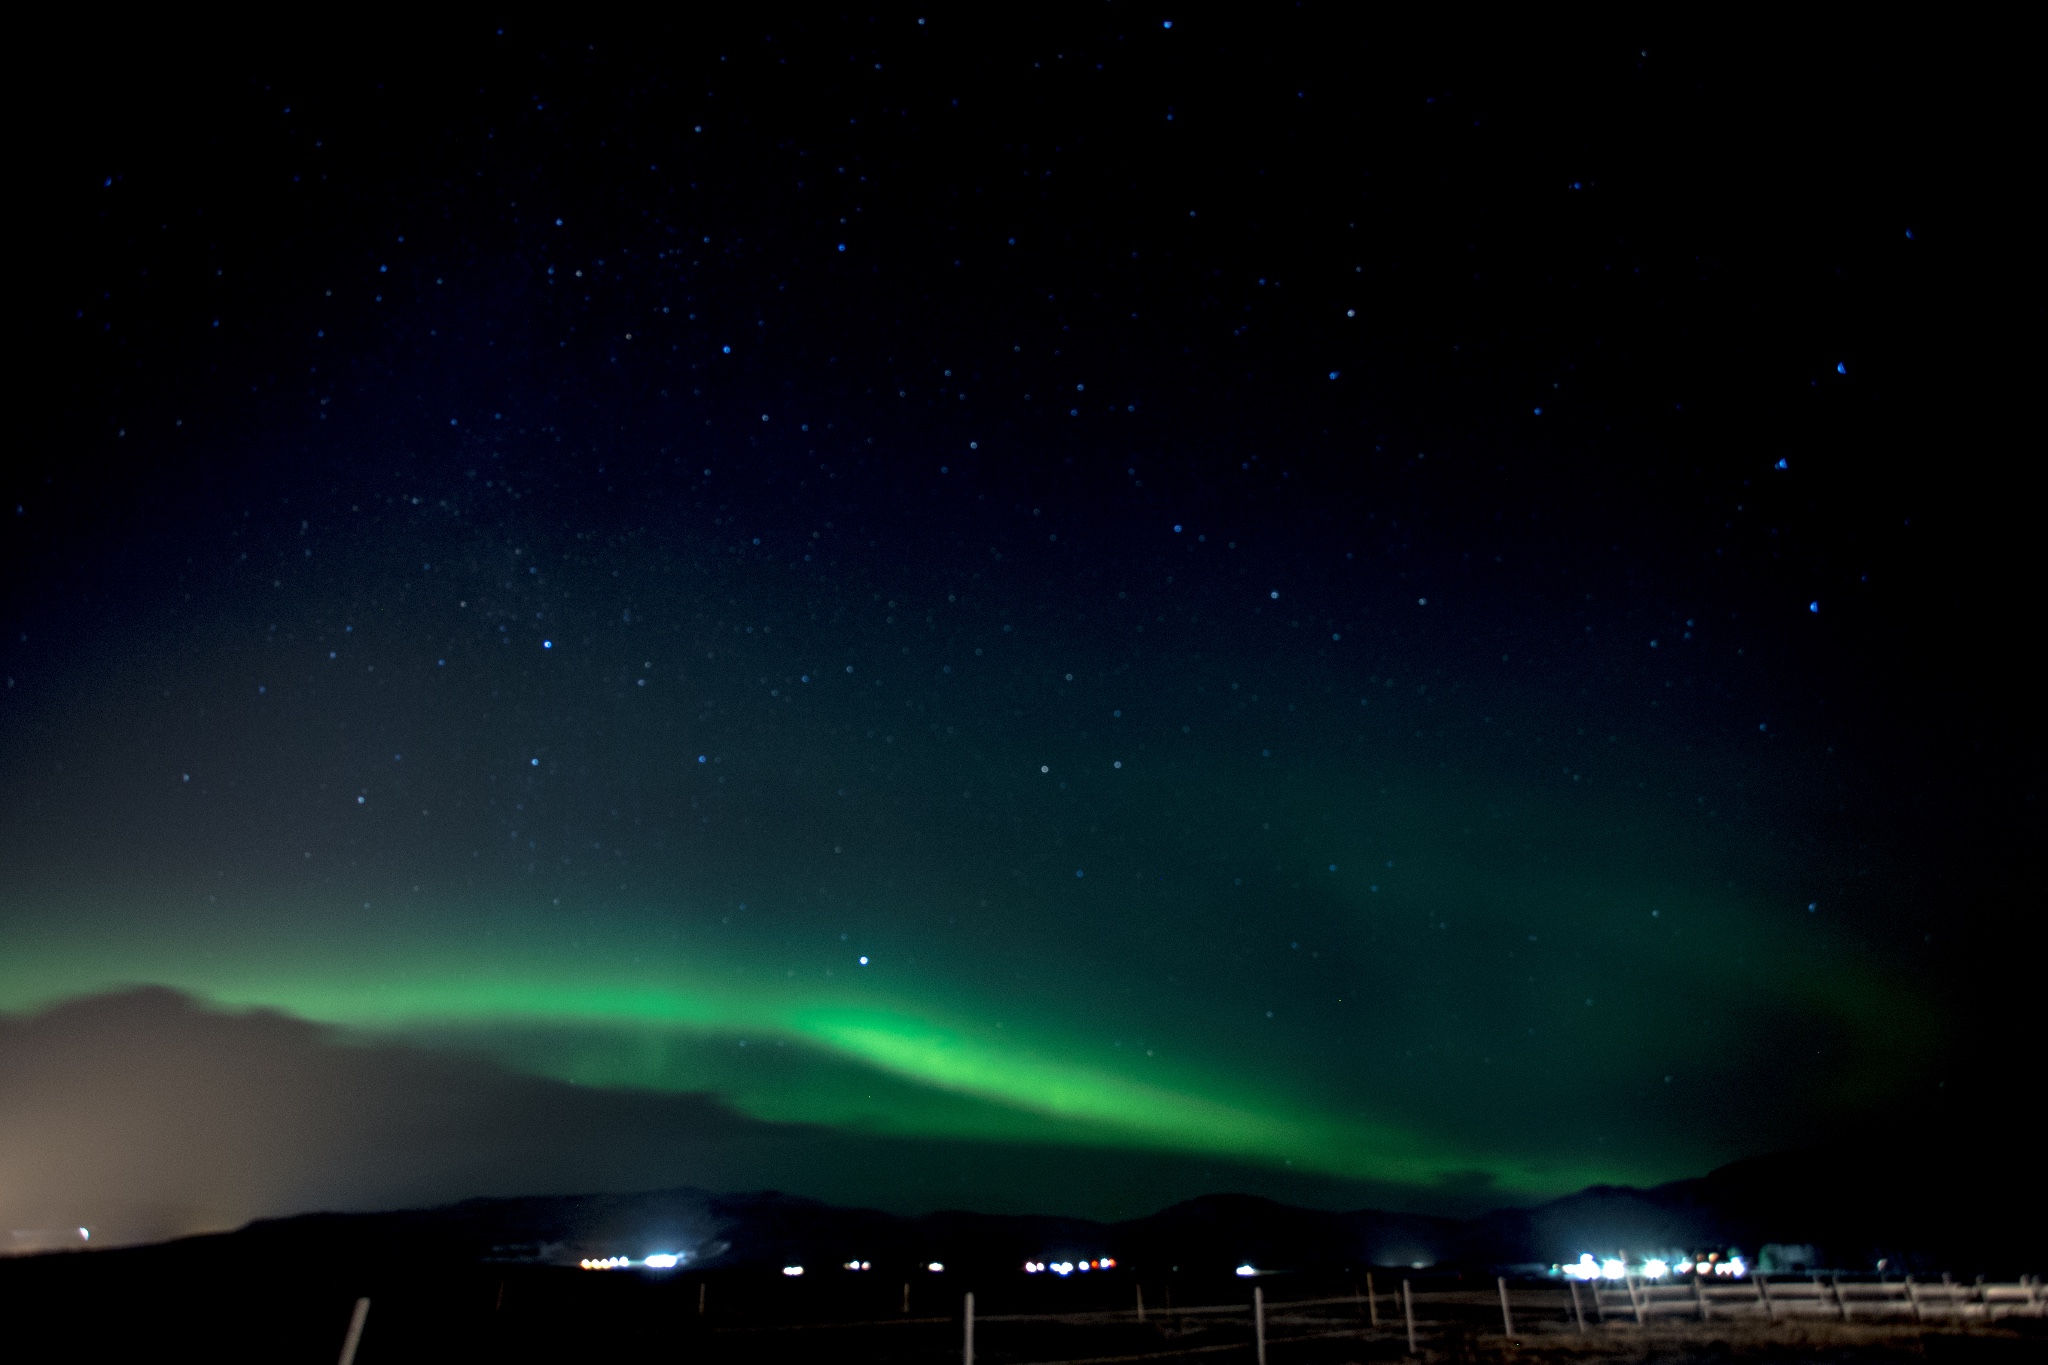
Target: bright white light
x=792 y=1270
x=1655 y=1270
x=1105 y=1264
x=1085 y=1266
x=1613 y=1270
x=1733 y=1266
x=661 y=1260
x=1246 y=1271
x=1062 y=1268
x=1685 y=1267
x=1585 y=1268
x=1034 y=1267
x=935 y=1267
x=85 y=1234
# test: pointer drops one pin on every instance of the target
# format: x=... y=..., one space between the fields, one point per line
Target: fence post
x=700 y=1297
x=1259 y=1321
x=906 y=1298
x=1841 y=1304
x=1507 y=1321
x=1699 y=1297
x=354 y=1338
x=1408 y=1313
x=1372 y=1300
x=1578 y=1313
x=1633 y=1301
x=1763 y=1292
x=1141 y=1303
x=967 y=1336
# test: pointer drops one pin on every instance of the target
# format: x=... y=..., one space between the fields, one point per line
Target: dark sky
x=1282 y=605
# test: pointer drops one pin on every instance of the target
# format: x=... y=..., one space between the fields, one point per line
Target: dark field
x=146 y=1302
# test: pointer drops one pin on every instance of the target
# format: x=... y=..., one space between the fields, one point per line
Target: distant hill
x=1920 y=1213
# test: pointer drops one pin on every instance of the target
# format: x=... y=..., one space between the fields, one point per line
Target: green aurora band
x=899 y=1058
x=1347 y=960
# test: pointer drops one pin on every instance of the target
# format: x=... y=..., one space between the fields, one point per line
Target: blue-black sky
x=1332 y=610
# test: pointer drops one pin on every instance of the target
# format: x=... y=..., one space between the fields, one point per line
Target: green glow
x=1436 y=1006
x=913 y=1053
x=637 y=1033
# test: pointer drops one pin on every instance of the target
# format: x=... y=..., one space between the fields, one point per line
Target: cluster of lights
x=936 y=1267
x=1655 y=1268
x=1734 y=1267
x=1586 y=1268
x=1064 y=1268
x=659 y=1260
x=1245 y=1272
x=858 y=1265
x=792 y=1270
x=656 y=1261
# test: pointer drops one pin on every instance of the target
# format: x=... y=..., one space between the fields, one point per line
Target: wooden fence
x=1812 y=1297
x=1264 y=1332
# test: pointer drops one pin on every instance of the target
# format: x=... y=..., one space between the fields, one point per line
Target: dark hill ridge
x=1853 y=1211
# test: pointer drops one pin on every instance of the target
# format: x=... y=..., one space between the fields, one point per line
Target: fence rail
x=1252 y=1330
x=1813 y=1297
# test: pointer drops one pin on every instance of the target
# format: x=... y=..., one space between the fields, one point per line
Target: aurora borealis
x=1159 y=596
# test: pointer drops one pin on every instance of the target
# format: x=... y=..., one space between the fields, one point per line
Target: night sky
x=1317 y=609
